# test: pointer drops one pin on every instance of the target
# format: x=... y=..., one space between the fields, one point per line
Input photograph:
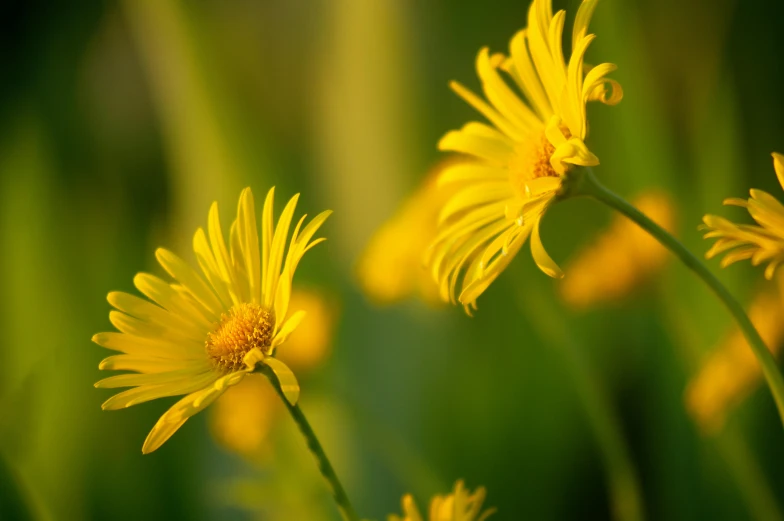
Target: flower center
x=243 y=328
x=531 y=161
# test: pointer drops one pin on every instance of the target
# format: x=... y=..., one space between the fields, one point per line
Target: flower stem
x=623 y=481
x=588 y=185
x=322 y=461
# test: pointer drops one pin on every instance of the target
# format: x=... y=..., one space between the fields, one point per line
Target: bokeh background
x=121 y=122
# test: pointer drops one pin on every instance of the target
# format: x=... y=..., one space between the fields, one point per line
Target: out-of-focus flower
x=391 y=268
x=460 y=505
x=282 y=483
x=761 y=244
x=242 y=418
x=308 y=347
x=732 y=371
x=520 y=161
x=621 y=258
x=200 y=335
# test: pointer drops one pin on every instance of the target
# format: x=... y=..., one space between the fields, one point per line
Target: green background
x=121 y=123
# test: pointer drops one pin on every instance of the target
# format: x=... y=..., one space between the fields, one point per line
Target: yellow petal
x=218 y=245
x=176 y=416
x=278 y=250
x=187 y=276
x=286 y=379
x=267 y=229
x=146 y=393
x=249 y=242
x=145 y=364
x=542 y=259
x=288 y=327
x=493 y=149
x=778 y=165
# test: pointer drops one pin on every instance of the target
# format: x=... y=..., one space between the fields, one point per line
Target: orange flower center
x=243 y=328
x=531 y=161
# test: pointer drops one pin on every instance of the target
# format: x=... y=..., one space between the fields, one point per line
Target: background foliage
x=121 y=122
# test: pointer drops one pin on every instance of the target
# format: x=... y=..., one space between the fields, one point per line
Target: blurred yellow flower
x=520 y=161
x=391 y=268
x=200 y=335
x=761 y=244
x=460 y=505
x=242 y=418
x=308 y=347
x=732 y=371
x=620 y=259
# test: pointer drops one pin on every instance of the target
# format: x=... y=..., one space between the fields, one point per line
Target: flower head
x=519 y=162
x=460 y=505
x=763 y=243
x=620 y=259
x=204 y=332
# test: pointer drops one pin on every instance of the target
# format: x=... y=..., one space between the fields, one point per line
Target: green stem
x=587 y=184
x=322 y=461
x=623 y=482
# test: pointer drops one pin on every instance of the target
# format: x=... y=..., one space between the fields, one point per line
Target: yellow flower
x=621 y=258
x=460 y=505
x=520 y=161
x=732 y=371
x=201 y=334
x=391 y=268
x=241 y=420
x=763 y=243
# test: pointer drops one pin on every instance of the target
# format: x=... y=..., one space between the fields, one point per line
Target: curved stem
x=623 y=481
x=322 y=461
x=587 y=184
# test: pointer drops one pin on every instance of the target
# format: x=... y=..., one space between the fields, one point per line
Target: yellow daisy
x=520 y=162
x=460 y=505
x=204 y=332
x=622 y=258
x=761 y=244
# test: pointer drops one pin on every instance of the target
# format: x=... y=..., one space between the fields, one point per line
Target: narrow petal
x=277 y=251
x=288 y=327
x=178 y=414
x=146 y=393
x=542 y=259
x=778 y=165
x=288 y=382
x=187 y=276
x=249 y=242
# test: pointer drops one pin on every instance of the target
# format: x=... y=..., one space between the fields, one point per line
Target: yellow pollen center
x=531 y=161
x=243 y=328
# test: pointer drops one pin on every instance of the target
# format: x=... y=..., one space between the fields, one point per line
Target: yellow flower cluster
x=460 y=505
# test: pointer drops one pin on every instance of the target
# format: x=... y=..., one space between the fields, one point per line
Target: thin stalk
x=15 y=500
x=624 y=485
x=588 y=185
x=730 y=443
x=322 y=461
